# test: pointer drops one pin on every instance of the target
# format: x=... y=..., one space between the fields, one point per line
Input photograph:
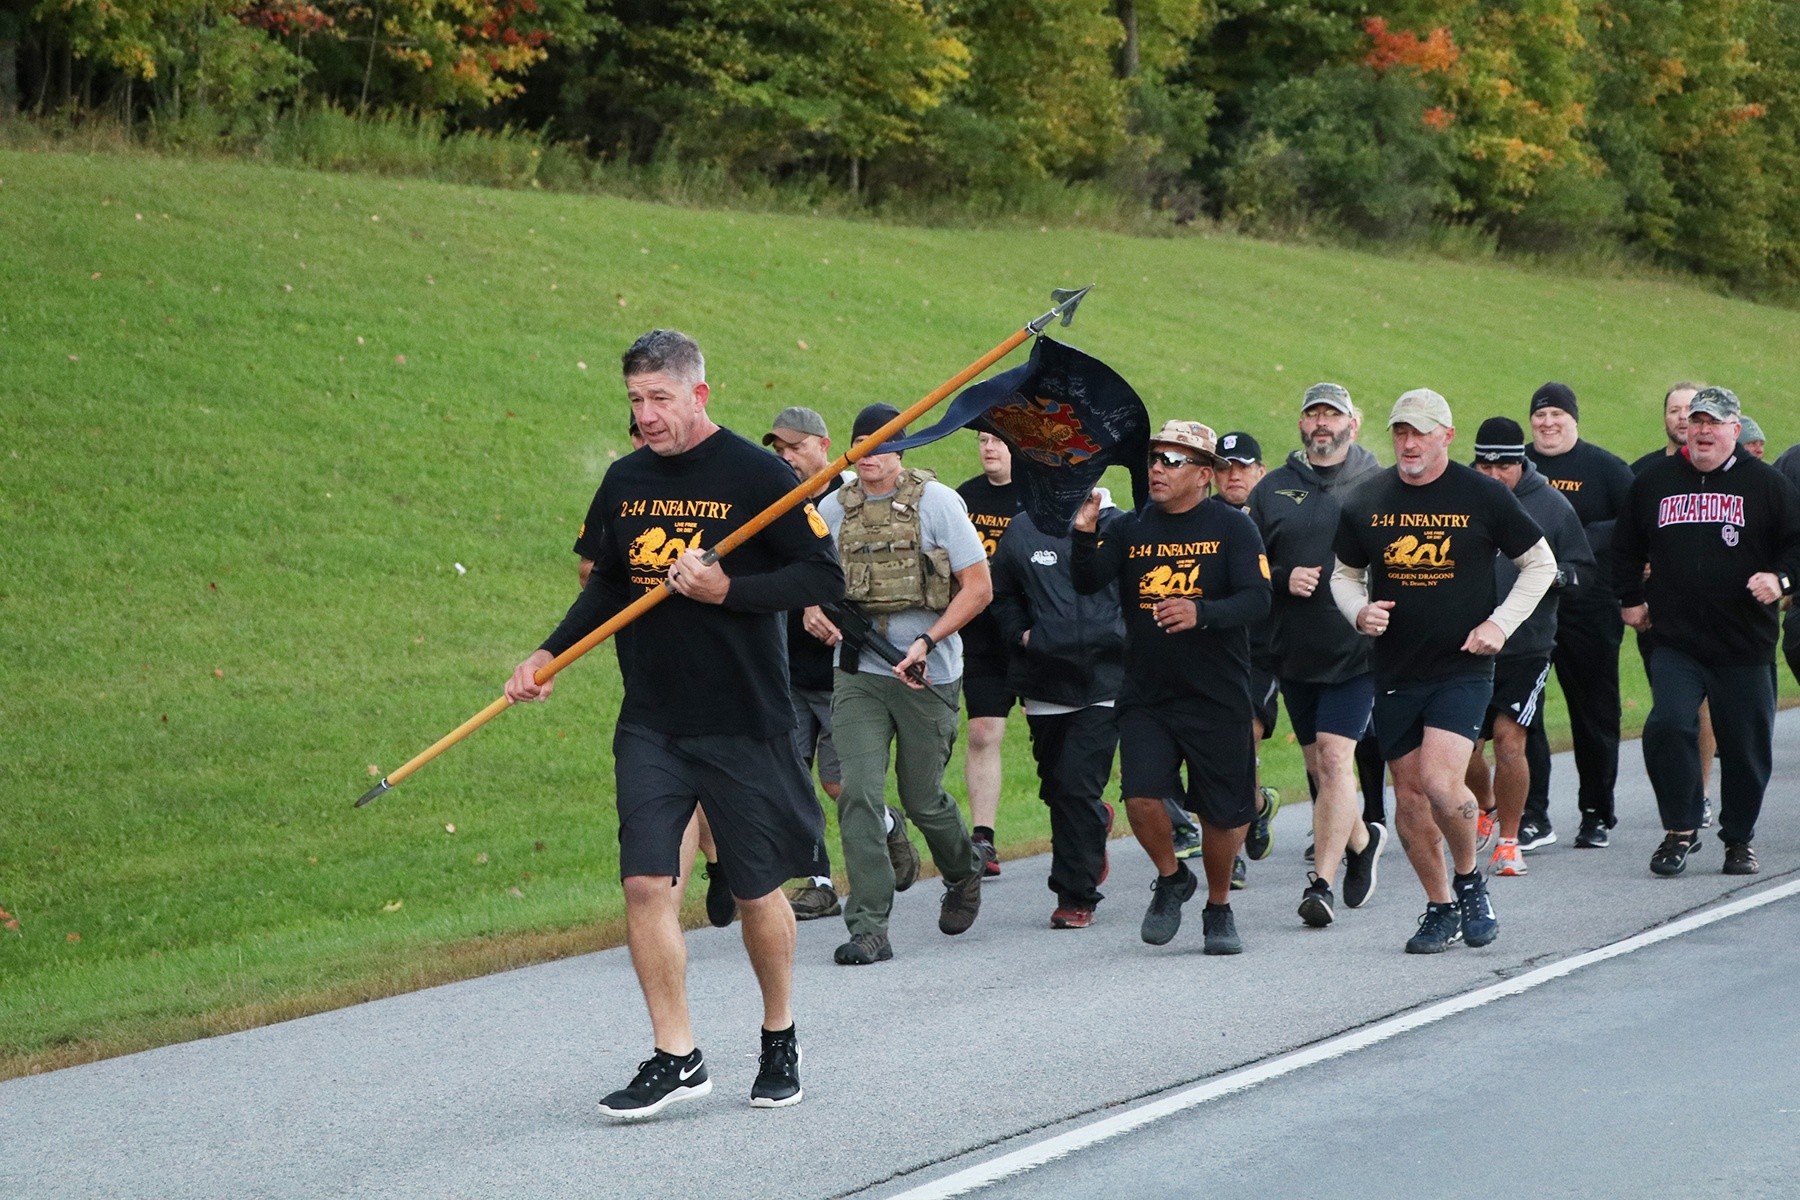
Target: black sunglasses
x=1172 y=460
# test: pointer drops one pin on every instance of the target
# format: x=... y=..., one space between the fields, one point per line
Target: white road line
x=1019 y=1161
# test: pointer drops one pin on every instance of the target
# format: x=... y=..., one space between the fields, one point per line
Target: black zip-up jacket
x=1296 y=508
x=1575 y=565
x=1704 y=534
x=1076 y=655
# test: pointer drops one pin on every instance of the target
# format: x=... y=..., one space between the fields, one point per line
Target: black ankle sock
x=779 y=1034
x=983 y=834
x=1471 y=877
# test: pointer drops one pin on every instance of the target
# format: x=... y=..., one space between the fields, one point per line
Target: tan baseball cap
x=1190 y=435
x=1421 y=408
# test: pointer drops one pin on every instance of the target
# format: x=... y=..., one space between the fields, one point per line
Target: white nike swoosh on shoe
x=687 y=1073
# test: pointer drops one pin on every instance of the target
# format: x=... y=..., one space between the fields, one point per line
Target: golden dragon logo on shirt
x=1165 y=580
x=656 y=547
x=1411 y=553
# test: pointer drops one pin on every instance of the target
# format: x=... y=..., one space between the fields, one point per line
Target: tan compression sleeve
x=1349 y=589
x=1537 y=571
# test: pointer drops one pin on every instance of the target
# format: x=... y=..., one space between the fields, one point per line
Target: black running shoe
x=1167 y=895
x=1359 y=867
x=1740 y=859
x=990 y=857
x=1671 y=857
x=1315 y=904
x=661 y=1080
x=1535 y=834
x=1257 y=839
x=778 y=1077
x=1220 y=928
x=902 y=853
x=1439 y=929
x=1594 y=834
x=1480 y=925
x=863 y=949
x=720 y=906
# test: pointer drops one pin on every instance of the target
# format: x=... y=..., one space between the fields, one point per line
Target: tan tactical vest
x=885 y=570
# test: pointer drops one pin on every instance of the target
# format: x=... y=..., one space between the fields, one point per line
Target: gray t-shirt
x=943 y=522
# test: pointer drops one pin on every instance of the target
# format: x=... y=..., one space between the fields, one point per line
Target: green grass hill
x=251 y=421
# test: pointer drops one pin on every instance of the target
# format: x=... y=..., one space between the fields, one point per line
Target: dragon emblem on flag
x=1046 y=430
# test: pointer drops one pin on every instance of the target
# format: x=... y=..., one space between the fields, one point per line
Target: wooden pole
x=1065 y=308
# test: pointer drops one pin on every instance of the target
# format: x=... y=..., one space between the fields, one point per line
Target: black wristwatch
x=930 y=642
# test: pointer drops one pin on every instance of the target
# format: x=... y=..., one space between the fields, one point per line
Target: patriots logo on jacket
x=1294 y=494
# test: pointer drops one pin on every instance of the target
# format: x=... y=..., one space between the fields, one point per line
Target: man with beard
x=1323 y=663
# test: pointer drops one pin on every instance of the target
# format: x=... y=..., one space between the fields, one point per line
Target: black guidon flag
x=1067 y=417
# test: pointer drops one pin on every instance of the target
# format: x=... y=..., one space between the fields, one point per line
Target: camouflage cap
x=1329 y=394
x=1721 y=404
x=1421 y=408
x=1190 y=435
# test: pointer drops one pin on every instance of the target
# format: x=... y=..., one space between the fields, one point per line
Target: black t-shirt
x=693 y=668
x=1640 y=465
x=1594 y=482
x=1430 y=548
x=1211 y=554
x=991 y=510
x=809 y=659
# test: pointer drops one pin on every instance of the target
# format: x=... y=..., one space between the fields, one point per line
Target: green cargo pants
x=870 y=714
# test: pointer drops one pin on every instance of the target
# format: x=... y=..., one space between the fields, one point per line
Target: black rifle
x=860 y=634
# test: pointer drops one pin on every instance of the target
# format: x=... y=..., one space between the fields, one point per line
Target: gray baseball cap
x=1750 y=431
x=1329 y=394
x=1721 y=404
x=1421 y=408
x=792 y=424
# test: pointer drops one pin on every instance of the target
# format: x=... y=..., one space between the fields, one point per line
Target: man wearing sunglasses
x=1192 y=579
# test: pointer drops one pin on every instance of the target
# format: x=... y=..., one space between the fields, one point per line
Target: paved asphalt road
x=963 y=1046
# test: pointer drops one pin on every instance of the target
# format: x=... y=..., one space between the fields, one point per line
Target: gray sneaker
x=814 y=901
x=1163 y=918
x=902 y=853
x=1221 y=932
x=961 y=905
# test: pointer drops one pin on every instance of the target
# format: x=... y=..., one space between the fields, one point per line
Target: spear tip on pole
x=1066 y=301
x=373 y=792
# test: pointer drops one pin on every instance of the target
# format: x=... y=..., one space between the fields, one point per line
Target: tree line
x=1670 y=128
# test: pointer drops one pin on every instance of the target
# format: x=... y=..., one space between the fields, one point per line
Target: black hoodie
x=1076 y=655
x=1704 y=534
x=1574 y=563
x=1296 y=508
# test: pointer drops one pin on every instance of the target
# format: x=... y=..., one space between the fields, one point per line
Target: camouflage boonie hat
x=1191 y=435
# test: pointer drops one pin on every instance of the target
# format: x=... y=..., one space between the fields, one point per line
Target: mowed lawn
x=251 y=421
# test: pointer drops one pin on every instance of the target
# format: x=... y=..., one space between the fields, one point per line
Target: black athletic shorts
x=1456 y=704
x=1518 y=691
x=985 y=691
x=1156 y=743
x=1339 y=708
x=1265 y=700
x=757 y=798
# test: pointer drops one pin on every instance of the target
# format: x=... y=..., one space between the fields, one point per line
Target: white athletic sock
x=823 y=881
x=887 y=818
